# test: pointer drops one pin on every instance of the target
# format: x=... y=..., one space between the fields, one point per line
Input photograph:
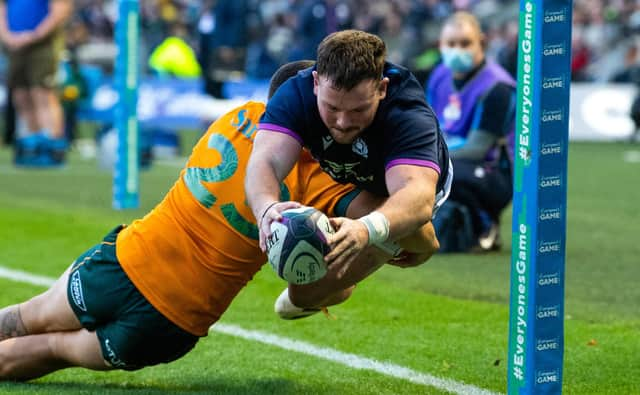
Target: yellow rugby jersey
x=193 y=253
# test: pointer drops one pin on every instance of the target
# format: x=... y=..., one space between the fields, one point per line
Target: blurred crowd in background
x=227 y=48
x=251 y=38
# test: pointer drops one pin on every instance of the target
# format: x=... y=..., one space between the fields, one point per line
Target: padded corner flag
x=536 y=322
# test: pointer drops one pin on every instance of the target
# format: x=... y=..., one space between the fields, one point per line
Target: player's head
x=285 y=72
x=462 y=42
x=348 y=82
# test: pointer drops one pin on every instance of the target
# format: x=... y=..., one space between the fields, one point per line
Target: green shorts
x=132 y=333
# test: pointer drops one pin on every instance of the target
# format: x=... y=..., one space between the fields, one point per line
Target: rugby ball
x=298 y=244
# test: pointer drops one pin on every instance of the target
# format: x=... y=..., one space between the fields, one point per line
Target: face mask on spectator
x=458 y=60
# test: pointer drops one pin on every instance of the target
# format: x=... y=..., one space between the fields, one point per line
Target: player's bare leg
x=43 y=335
x=47 y=312
x=33 y=356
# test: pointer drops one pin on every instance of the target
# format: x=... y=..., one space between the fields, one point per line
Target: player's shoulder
x=251 y=109
x=403 y=85
x=291 y=99
x=242 y=116
x=396 y=72
x=298 y=86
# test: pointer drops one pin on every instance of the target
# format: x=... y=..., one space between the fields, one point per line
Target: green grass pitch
x=447 y=318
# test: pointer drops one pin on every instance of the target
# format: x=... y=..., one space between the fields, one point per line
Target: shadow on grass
x=213 y=386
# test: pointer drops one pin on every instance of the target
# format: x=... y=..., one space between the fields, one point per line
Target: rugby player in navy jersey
x=367 y=122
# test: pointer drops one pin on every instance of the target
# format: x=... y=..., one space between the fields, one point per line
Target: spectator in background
x=316 y=20
x=9 y=120
x=394 y=37
x=635 y=117
x=31 y=30
x=474 y=100
x=73 y=86
x=174 y=57
x=206 y=26
x=229 y=40
x=265 y=55
x=630 y=71
x=580 y=57
x=96 y=13
x=507 y=56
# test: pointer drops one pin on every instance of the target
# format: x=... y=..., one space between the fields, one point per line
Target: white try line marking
x=351 y=360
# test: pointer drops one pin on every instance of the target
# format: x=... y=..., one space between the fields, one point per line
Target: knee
x=432 y=247
x=423 y=242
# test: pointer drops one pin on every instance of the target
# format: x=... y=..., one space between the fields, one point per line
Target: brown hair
x=349 y=57
x=285 y=72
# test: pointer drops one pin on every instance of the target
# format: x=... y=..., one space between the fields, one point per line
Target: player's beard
x=347 y=136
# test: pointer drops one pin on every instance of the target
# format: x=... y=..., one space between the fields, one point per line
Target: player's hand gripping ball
x=298 y=244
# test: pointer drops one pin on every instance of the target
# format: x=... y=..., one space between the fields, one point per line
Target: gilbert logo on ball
x=298 y=244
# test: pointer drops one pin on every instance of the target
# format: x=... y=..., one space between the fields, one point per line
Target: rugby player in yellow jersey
x=150 y=290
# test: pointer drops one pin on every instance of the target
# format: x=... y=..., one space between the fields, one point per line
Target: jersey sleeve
x=284 y=113
x=413 y=132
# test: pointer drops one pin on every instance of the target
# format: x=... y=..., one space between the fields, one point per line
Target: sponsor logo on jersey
x=360 y=148
x=326 y=142
x=344 y=171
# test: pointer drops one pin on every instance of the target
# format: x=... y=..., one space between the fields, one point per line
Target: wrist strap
x=377 y=225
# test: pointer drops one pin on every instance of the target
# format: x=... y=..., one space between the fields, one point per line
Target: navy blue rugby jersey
x=404 y=131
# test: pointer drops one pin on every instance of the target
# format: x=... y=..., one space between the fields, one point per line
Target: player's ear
x=315 y=82
x=382 y=87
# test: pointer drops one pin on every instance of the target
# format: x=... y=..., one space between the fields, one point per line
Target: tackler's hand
x=271 y=213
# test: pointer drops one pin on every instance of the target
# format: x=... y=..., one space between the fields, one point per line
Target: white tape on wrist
x=377 y=226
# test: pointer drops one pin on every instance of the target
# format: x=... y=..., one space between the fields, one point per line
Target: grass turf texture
x=447 y=318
